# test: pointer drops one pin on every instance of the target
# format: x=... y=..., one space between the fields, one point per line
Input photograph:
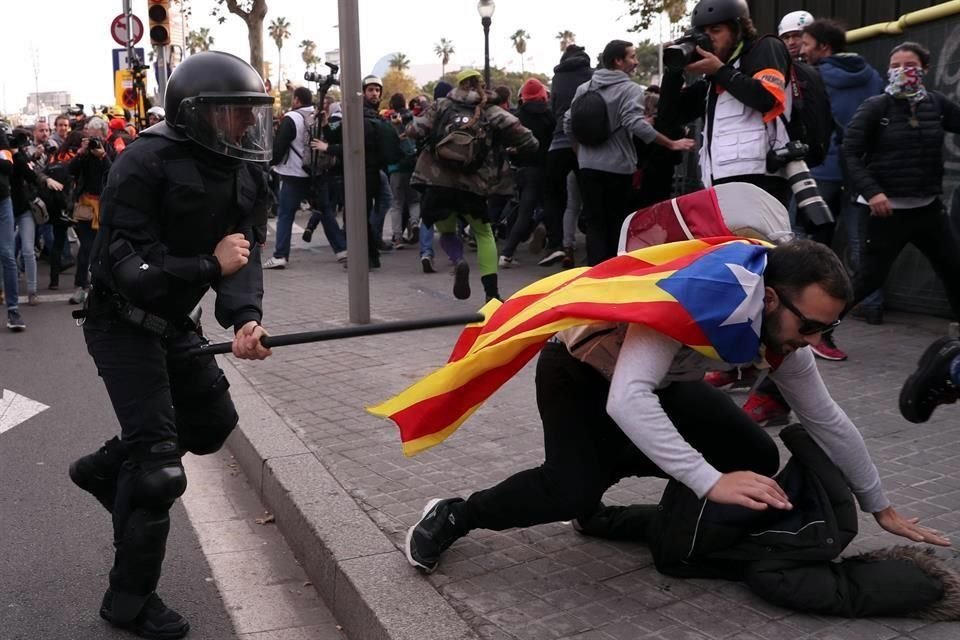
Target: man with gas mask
x=183 y=211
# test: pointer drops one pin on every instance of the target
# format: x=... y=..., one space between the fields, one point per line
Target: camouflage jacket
x=506 y=131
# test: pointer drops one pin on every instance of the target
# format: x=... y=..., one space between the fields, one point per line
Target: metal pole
x=354 y=172
x=340 y=333
x=161 y=72
x=486 y=50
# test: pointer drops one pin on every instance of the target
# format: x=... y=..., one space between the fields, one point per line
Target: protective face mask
x=907 y=83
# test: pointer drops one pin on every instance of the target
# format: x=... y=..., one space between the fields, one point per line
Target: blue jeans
x=8 y=263
x=383 y=200
x=323 y=214
x=426 y=240
x=293 y=191
x=27 y=230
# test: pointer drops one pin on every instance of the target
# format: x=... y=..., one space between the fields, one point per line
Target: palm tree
x=199 y=40
x=566 y=38
x=400 y=62
x=308 y=55
x=520 y=44
x=279 y=30
x=444 y=49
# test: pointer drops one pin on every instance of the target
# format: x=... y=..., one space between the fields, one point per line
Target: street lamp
x=485 y=9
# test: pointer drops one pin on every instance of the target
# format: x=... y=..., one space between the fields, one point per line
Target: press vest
x=736 y=140
x=292 y=165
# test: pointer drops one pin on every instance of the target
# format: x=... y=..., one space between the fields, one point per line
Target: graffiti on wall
x=947 y=64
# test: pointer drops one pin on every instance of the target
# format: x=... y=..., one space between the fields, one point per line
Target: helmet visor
x=241 y=130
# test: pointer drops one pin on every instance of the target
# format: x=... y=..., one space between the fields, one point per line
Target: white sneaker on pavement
x=275 y=263
x=341 y=256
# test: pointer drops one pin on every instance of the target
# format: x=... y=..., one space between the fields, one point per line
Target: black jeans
x=927 y=228
x=560 y=162
x=606 y=203
x=587 y=453
x=530 y=184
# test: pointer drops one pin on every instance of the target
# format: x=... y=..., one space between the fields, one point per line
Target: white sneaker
x=506 y=262
x=275 y=263
x=341 y=256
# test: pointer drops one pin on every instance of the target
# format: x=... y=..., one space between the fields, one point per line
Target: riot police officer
x=183 y=211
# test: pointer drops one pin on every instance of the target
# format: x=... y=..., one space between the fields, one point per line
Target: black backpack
x=590 y=119
x=811 y=120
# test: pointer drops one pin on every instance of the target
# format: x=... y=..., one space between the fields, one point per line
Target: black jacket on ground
x=173 y=202
x=574 y=69
x=788 y=557
x=537 y=117
x=885 y=153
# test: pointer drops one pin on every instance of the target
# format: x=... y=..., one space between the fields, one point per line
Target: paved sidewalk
x=547 y=581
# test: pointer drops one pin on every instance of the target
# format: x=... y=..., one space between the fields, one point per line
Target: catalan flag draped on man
x=705 y=293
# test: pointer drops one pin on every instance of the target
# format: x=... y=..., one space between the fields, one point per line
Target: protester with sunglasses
x=627 y=400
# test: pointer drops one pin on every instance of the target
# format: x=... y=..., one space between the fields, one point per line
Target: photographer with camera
x=89 y=168
x=744 y=99
x=741 y=96
x=290 y=153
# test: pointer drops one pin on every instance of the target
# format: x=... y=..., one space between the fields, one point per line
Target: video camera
x=325 y=81
x=790 y=157
x=683 y=51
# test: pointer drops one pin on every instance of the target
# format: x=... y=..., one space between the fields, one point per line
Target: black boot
x=97 y=472
x=490 y=286
x=146 y=616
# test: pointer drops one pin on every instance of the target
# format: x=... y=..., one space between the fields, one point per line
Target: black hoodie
x=574 y=69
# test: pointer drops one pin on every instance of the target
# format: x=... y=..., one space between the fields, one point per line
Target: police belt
x=137 y=317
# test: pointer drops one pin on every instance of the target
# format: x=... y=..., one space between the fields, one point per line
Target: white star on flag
x=751 y=307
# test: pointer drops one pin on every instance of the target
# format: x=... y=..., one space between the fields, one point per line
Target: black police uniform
x=166 y=205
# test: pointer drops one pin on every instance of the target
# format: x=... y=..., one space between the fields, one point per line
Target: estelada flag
x=707 y=294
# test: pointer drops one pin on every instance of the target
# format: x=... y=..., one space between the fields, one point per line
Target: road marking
x=15 y=408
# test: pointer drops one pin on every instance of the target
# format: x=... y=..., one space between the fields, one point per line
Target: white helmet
x=156 y=111
x=794 y=21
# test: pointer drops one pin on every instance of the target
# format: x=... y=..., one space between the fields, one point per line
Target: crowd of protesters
x=519 y=174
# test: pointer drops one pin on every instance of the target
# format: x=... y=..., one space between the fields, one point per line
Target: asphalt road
x=55 y=540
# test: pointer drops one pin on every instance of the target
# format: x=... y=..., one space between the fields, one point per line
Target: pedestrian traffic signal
x=159 y=13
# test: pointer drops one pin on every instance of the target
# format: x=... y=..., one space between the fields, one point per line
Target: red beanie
x=117 y=124
x=533 y=90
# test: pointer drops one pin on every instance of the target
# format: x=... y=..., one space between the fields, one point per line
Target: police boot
x=146 y=616
x=97 y=472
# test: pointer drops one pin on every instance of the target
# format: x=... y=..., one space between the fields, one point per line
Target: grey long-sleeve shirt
x=647 y=360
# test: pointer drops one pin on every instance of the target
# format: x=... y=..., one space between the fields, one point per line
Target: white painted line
x=15 y=409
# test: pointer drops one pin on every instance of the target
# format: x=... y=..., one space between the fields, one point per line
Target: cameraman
x=289 y=151
x=741 y=97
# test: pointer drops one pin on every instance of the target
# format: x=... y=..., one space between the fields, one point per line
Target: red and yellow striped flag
x=628 y=288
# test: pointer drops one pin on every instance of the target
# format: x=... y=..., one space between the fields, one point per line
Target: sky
x=66 y=46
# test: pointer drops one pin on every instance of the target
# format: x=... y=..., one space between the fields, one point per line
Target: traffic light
x=159 y=13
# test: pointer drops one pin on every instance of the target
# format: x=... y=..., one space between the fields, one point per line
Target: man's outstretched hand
x=896 y=524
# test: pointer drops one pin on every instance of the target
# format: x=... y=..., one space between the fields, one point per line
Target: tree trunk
x=255 y=39
x=279 y=60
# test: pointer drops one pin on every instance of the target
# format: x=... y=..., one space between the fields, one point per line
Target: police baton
x=337 y=334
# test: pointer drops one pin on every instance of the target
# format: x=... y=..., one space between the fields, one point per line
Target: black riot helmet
x=708 y=12
x=219 y=101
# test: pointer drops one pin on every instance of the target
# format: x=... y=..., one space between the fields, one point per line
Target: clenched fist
x=233 y=253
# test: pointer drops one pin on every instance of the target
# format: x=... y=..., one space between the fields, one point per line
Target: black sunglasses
x=808 y=327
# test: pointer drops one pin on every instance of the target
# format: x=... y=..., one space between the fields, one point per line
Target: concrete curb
x=364 y=579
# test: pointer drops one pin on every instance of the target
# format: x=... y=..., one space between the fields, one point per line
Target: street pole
x=354 y=172
x=485 y=21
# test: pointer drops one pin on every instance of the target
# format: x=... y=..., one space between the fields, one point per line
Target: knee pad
x=158 y=487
